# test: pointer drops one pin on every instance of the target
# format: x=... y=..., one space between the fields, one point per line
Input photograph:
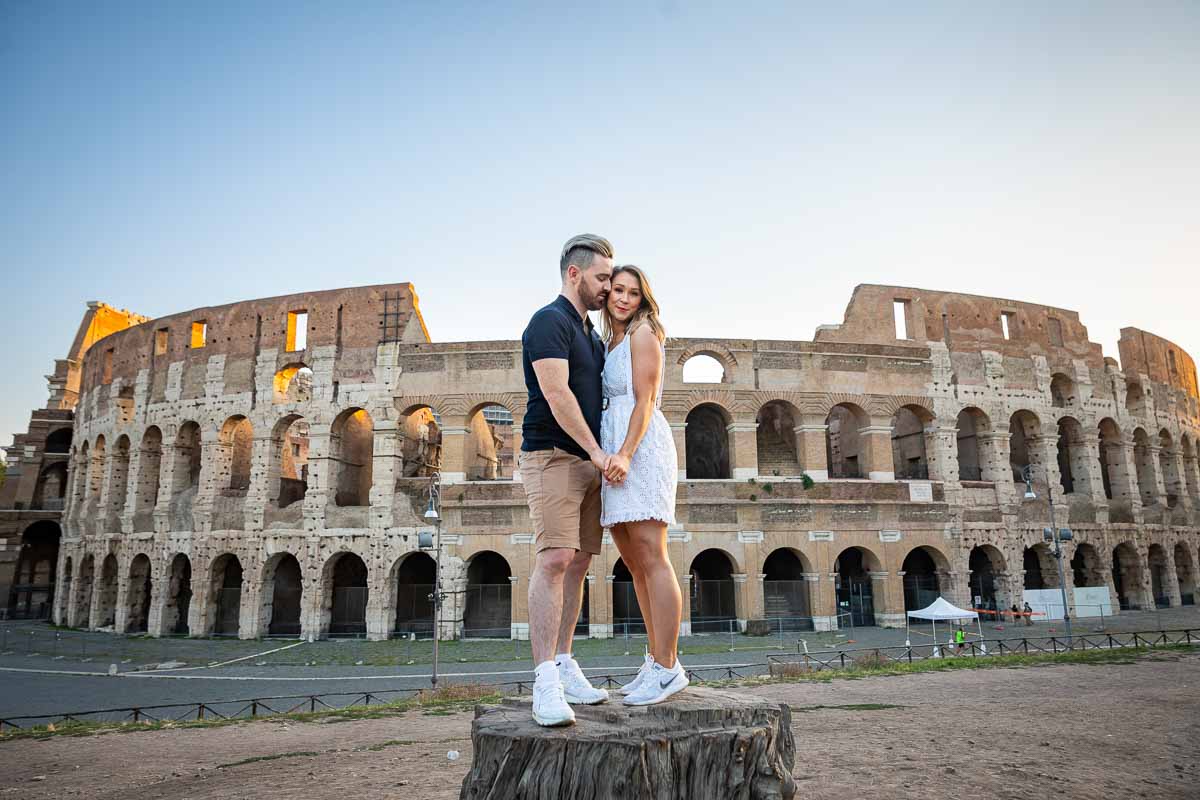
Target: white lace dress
x=648 y=491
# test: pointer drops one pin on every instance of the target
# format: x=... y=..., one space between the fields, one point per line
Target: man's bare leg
x=546 y=601
x=572 y=599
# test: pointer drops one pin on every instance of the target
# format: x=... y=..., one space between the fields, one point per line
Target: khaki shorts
x=564 y=500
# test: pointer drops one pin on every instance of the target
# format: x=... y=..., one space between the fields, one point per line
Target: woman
x=638 y=495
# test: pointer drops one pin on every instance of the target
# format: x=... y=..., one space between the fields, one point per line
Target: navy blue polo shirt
x=557 y=331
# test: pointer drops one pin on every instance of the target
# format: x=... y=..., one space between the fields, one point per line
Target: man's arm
x=552 y=375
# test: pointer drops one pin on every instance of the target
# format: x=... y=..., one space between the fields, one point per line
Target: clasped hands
x=614 y=466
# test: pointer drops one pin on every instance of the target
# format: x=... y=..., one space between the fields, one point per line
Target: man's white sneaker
x=636 y=683
x=550 y=707
x=659 y=684
x=576 y=686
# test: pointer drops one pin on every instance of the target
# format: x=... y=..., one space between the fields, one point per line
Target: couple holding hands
x=598 y=453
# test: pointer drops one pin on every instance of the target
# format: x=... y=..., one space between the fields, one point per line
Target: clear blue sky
x=759 y=160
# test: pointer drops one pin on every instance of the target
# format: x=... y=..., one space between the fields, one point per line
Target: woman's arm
x=646 y=353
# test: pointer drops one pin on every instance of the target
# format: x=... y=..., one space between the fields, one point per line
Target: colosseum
x=263 y=468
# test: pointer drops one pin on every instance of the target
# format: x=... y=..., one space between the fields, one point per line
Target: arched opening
x=1157 y=557
x=909 y=461
x=1191 y=476
x=488 y=447
x=1040 y=570
x=106 y=593
x=138 y=595
x=1022 y=427
x=1185 y=573
x=855 y=592
x=289 y=444
x=986 y=563
x=351 y=447
x=1142 y=457
x=707 y=442
x=236 y=443
x=347 y=576
x=415 y=577
x=293 y=384
x=703 y=368
x=627 y=614
x=179 y=597
x=225 y=595
x=1062 y=391
x=59 y=442
x=785 y=591
x=31 y=595
x=843 y=448
x=921 y=584
x=1168 y=467
x=51 y=490
x=488 y=610
x=421 y=443
x=83 y=593
x=971 y=422
x=283 y=595
x=186 y=476
x=118 y=482
x=714 y=601
x=1127 y=576
x=1086 y=569
x=1112 y=467
x=778 y=453
x=1073 y=457
x=149 y=472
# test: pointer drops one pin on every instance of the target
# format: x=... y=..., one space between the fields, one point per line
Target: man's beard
x=592 y=302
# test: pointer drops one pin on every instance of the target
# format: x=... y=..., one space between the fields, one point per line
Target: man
x=561 y=468
x=1028 y=613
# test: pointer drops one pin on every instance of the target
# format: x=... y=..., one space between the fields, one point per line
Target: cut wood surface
x=702 y=743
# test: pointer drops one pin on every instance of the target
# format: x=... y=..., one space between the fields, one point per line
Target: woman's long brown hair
x=646 y=313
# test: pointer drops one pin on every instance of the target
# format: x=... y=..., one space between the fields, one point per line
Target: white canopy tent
x=943 y=610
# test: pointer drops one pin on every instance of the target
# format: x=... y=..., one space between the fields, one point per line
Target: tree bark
x=702 y=743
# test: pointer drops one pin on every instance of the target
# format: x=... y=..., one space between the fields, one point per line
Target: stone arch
x=1144 y=460
x=488 y=609
x=287 y=476
x=118 y=482
x=713 y=591
x=178 y=603
x=351 y=452
x=1185 y=573
x=85 y=587
x=845 y=449
x=488 y=445
x=1112 y=461
x=924 y=567
x=293 y=384
x=1086 y=568
x=106 y=593
x=413 y=576
x=345 y=594
x=709 y=454
x=1041 y=572
x=420 y=440
x=1168 y=467
x=185 y=475
x=1127 y=576
x=778 y=449
x=1156 y=558
x=138 y=594
x=854 y=586
x=282 y=595
x=988 y=569
x=724 y=359
x=58 y=442
x=910 y=460
x=148 y=477
x=786 y=596
x=235 y=447
x=1074 y=457
x=31 y=595
x=50 y=492
x=971 y=422
x=1023 y=427
x=225 y=595
x=1062 y=391
x=1191 y=475
x=96 y=471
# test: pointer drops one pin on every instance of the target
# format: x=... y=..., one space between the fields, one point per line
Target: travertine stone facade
x=226 y=477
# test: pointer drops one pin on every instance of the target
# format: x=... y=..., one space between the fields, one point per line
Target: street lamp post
x=425 y=541
x=1056 y=537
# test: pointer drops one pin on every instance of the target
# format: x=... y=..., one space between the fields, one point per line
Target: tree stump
x=702 y=743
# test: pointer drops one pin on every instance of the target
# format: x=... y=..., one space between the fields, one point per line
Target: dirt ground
x=1127 y=730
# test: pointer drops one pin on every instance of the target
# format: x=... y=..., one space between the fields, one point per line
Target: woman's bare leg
x=664 y=600
x=631 y=557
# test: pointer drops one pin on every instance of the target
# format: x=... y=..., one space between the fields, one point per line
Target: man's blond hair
x=579 y=250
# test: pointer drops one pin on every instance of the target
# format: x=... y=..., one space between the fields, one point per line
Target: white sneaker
x=659 y=684
x=550 y=707
x=636 y=683
x=576 y=686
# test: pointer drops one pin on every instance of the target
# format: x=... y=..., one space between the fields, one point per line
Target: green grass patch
x=272 y=757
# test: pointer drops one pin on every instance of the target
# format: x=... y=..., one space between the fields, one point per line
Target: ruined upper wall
x=353 y=319
x=1161 y=360
x=100 y=320
x=964 y=322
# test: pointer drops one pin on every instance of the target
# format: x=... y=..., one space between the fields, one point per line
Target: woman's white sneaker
x=550 y=707
x=659 y=684
x=636 y=683
x=576 y=686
